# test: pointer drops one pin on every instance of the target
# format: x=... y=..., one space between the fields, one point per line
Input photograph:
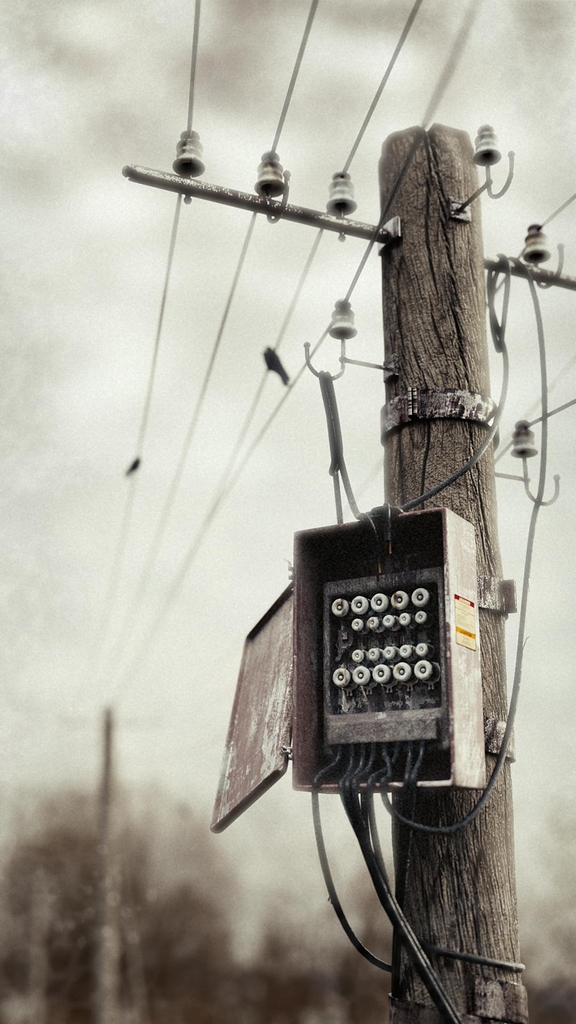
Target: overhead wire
x=559 y=376
x=399 y=45
x=295 y=73
x=115 y=574
x=559 y=210
x=193 y=62
x=438 y=92
x=175 y=484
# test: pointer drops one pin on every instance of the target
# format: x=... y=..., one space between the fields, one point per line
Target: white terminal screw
x=359 y=605
x=404 y=619
x=381 y=674
x=357 y=657
x=420 y=597
x=420 y=618
x=402 y=672
x=340 y=607
x=357 y=625
x=390 y=622
x=379 y=603
x=361 y=675
x=423 y=670
x=390 y=653
x=341 y=677
x=424 y=650
x=374 y=654
x=400 y=600
x=372 y=622
x=406 y=651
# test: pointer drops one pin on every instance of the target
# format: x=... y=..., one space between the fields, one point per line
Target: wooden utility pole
x=107 y=953
x=458 y=891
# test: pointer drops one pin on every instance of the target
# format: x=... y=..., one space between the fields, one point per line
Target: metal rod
x=544 y=276
x=247 y=201
x=355 y=228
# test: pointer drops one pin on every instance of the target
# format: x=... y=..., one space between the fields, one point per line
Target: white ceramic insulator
x=357 y=625
x=423 y=650
x=400 y=600
x=390 y=622
x=420 y=618
x=420 y=597
x=379 y=603
x=423 y=670
x=374 y=654
x=402 y=672
x=359 y=605
x=340 y=607
x=361 y=675
x=381 y=673
x=341 y=677
x=404 y=619
x=406 y=651
x=372 y=622
x=390 y=653
x=357 y=657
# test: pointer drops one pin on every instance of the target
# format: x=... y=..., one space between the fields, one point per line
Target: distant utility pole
x=39 y=929
x=458 y=891
x=107 y=952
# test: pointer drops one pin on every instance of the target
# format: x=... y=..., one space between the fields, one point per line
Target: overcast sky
x=92 y=86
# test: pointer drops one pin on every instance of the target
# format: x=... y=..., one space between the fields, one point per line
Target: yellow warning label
x=465 y=622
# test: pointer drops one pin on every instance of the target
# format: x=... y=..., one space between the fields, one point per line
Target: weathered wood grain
x=457 y=891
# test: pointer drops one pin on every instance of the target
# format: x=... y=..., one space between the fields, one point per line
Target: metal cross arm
x=246 y=201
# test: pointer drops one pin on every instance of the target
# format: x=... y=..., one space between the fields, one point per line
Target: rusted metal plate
x=260 y=727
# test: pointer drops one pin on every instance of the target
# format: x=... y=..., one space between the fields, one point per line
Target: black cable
x=327 y=874
x=349 y=795
x=295 y=73
x=338 y=464
x=381 y=87
x=193 y=61
x=430 y=947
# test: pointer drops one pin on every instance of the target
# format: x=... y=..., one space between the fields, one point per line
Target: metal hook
x=342 y=360
x=548 y=284
x=507 y=183
x=542 y=504
x=457 y=208
x=273 y=218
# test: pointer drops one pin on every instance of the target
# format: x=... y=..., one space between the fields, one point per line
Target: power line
x=193 y=62
x=381 y=87
x=452 y=63
x=122 y=541
x=170 y=499
x=559 y=210
x=295 y=73
x=559 y=376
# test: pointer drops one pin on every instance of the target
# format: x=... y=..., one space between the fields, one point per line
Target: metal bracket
x=456 y=211
x=445 y=403
x=494 y=730
x=393 y=230
x=391 y=366
x=497 y=595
